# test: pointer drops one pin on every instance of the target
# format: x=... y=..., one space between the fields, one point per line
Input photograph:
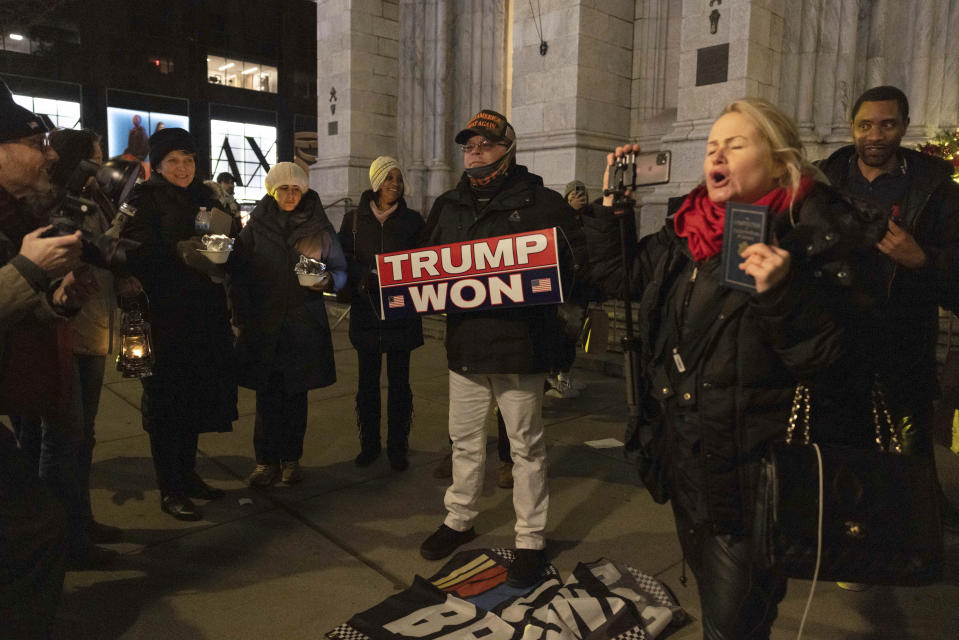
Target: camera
x=115 y=179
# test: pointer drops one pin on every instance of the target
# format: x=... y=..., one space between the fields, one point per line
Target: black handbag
x=843 y=514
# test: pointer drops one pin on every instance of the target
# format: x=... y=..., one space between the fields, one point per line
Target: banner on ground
x=470 y=598
x=517 y=270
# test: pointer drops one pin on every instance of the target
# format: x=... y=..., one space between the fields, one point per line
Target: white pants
x=520 y=401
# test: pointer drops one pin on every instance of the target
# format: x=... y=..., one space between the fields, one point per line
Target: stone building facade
x=400 y=77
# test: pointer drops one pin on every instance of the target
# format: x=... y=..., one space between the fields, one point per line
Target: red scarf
x=701 y=221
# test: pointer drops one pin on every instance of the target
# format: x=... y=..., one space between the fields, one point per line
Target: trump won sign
x=521 y=269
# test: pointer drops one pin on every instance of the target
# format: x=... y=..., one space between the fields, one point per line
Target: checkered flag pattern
x=632 y=634
x=346 y=632
x=651 y=586
x=508 y=555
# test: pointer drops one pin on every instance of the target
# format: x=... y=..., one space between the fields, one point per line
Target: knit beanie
x=381 y=168
x=15 y=121
x=574 y=184
x=170 y=139
x=286 y=174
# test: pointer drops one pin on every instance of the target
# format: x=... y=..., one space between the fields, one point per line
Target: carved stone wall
x=410 y=73
x=837 y=49
x=453 y=62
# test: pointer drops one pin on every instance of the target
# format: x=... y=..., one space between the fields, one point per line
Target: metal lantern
x=135 y=359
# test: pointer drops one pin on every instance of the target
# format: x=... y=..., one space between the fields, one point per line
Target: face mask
x=494 y=173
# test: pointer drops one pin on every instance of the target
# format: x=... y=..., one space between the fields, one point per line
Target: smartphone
x=653 y=168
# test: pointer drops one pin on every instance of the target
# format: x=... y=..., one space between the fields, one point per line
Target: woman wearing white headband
x=284 y=346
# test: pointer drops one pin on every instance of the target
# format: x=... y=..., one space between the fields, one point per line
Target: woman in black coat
x=193 y=386
x=719 y=366
x=381 y=224
x=284 y=346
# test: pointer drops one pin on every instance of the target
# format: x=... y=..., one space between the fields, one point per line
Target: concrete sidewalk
x=293 y=562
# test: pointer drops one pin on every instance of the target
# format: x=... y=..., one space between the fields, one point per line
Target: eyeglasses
x=40 y=143
x=482 y=146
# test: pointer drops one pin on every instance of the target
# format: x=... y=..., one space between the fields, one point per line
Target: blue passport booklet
x=746 y=224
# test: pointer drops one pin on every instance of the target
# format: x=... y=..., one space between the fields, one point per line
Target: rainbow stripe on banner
x=516 y=270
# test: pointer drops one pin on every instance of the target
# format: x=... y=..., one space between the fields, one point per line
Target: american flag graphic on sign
x=396 y=302
x=542 y=285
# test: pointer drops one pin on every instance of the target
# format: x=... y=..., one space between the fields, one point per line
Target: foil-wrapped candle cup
x=217 y=247
x=309 y=271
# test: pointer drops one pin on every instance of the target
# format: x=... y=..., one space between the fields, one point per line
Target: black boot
x=368 y=426
x=399 y=422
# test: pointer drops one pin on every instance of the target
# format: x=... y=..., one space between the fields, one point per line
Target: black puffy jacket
x=909 y=299
x=518 y=339
x=192 y=339
x=283 y=326
x=719 y=366
x=401 y=230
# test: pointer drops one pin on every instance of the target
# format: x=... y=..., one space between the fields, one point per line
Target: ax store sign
x=517 y=270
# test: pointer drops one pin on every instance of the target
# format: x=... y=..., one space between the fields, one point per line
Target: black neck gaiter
x=487 y=180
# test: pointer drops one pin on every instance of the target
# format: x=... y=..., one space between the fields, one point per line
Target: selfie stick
x=624 y=177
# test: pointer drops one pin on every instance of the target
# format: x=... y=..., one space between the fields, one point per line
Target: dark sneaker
x=290 y=472
x=445 y=468
x=263 y=475
x=180 y=507
x=366 y=457
x=527 y=568
x=444 y=541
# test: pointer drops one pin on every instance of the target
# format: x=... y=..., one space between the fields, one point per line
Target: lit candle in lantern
x=135 y=359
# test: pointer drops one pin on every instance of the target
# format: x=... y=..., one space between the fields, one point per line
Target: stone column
x=439 y=167
x=845 y=85
x=752 y=31
x=573 y=104
x=921 y=47
x=357 y=52
x=806 y=97
x=949 y=109
x=415 y=56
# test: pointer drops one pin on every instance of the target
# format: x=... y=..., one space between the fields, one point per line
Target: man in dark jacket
x=500 y=354
x=922 y=247
x=32 y=522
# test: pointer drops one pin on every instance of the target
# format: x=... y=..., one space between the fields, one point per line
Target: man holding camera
x=498 y=354
x=37 y=289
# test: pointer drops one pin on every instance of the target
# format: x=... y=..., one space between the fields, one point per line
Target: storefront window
x=248 y=150
x=241 y=74
x=17 y=41
x=129 y=130
x=62 y=113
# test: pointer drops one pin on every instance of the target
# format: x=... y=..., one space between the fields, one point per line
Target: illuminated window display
x=63 y=113
x=241 y=74
x=129 y=129
x=245 y=149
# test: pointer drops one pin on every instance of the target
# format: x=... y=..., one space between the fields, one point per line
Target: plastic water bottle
x=203 y=220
